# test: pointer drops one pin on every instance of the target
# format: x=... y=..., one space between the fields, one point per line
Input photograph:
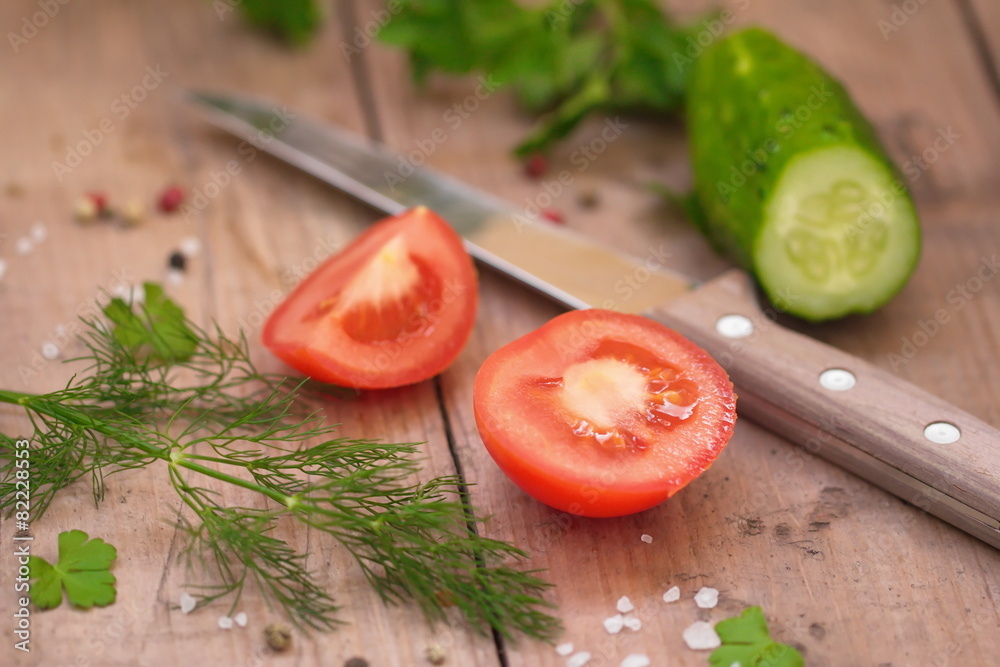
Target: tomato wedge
x=395 y=307
x=603 y=414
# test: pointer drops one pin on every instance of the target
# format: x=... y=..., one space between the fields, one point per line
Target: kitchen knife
x=836 y=406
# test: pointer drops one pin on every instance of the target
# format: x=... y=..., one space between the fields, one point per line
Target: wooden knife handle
x=844 y=409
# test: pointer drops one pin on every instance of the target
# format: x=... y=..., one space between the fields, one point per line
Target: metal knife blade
x=882 y=430
x=567 y=267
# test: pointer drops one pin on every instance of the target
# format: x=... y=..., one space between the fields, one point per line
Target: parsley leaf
x=82 y=569
x=563 y=59
x=159 y=330
x=746 y=640
x=295 y=21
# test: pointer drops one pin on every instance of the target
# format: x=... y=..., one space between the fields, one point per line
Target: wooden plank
x=260 y=231
x=838 y=565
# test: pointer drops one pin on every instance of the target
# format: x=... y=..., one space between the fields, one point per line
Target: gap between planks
x=361 y=75
x=980 y=44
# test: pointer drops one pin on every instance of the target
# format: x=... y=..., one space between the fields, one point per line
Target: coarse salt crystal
x=625 y=605
x=131 y=293
x=241 y=619
x=647 y=538
x=633 y=623
x=700 y=635
x=23 y=246
x=578 y=659
x=673 y=595
x=50 y=350
x=564 y=649
x=635 y=660
x=614 y=624
x=707 y=597
x=188 y=603
x=38 y=232
x=175 y=277
x=225 y=623
x=190 y=246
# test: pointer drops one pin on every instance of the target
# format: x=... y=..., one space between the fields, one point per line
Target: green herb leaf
x=295 y=21
x=160 y=391
x=746 y=640
x=82 y=570
x=159 y=330
x=567 y=60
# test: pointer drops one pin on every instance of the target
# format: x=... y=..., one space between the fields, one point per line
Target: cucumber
x=792 y=182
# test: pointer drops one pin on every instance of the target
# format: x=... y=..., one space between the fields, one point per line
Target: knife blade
x=542 y=256
x=834 y=405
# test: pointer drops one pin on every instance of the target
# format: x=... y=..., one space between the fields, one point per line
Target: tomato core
x=603 y=414
x=392 y=308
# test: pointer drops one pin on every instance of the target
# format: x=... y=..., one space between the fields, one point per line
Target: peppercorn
x=177 y=260
x=536 y=165
x=278 y=637
x=171 y=199
x=435 y=654
x=132 y=213
x=552 y=215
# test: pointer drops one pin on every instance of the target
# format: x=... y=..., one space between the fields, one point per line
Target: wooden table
x=843 y=570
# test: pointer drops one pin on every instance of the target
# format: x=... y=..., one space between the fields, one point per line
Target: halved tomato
x=602 y=414
x=395 y=307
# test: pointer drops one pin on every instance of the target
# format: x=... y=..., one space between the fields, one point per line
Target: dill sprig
x=158 y=389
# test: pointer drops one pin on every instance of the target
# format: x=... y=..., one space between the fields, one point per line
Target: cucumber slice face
x=839 y=234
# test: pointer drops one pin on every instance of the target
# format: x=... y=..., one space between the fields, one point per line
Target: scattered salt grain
x=23 y=246
x=38 y=232
x=130 y=293
x=175 y=277
x=633 y=623
x=3 y=268
x=625 y=605
x=225 y=623
x=701 y=636
x=614 y=624
x=635 y=660
x=578 y=659
x=564 y=649
x=50 y=350
x=241 y=619
x=188 y=603
x=190 y=246
x=647 y=538
x=707 y=597
x=673 y=595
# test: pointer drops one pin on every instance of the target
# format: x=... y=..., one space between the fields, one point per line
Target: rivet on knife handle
x=841 y=408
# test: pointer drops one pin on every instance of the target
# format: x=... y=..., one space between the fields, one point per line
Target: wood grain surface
x=843 y=570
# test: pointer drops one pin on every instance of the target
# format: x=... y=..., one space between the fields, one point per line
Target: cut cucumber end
x=840 y=235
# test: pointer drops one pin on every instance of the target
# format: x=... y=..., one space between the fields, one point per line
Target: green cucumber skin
x=780 y=106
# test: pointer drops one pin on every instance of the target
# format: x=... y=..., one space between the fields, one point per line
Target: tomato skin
x=531 y=436
x=319 y=341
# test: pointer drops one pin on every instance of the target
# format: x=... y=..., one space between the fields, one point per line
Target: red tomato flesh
x=395 y=307
x=603 y=414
